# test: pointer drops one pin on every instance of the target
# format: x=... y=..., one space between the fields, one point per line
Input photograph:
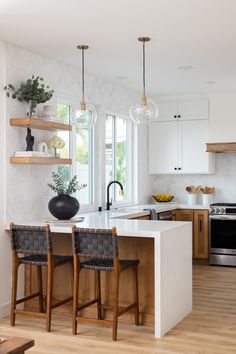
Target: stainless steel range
x=222 y=234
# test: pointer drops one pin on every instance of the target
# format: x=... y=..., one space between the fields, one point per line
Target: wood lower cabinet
x=145 y=217
x=199 y=219
x=200 y=232
x=183 y=215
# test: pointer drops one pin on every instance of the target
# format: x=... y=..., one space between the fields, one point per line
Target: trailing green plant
x=67 y=188
x=32 y=90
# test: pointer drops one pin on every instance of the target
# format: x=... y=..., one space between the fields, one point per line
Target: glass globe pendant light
x=144 y=111
x=86 y=116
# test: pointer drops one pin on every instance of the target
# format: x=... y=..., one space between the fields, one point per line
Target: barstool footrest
x=62 y=302
x=87 y=304
x=23 y=299
x=126 y=309
x=30 y=313
x=107 y=323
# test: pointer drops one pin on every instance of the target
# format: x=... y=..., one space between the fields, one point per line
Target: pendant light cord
x=82 y=75
x=144 y=83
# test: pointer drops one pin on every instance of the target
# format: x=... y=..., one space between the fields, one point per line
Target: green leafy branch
x=31 y=90
x=61 y=187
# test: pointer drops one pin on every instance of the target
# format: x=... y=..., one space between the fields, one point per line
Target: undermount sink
x=127 y=210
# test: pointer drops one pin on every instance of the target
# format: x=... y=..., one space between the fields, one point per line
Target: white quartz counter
x=121 y=218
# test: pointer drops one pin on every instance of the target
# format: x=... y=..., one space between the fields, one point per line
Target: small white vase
x=192 y=198
x=206 y=199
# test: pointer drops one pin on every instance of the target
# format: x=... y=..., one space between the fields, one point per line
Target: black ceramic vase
x=63 y=207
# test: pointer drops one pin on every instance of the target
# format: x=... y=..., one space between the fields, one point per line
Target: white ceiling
x=197 y=33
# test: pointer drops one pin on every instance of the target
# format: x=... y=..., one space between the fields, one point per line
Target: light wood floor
x=209 y=329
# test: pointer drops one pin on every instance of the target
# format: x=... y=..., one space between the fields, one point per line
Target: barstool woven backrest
x=95 y=243
x=34 y=240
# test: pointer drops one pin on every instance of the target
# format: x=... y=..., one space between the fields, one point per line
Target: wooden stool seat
x=107 y=264
x=32 y=246
x=100 y=246
x=43 y=260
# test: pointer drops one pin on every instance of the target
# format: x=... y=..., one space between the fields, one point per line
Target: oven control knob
x=217 y=210
x=212 y=210
x=222 y=210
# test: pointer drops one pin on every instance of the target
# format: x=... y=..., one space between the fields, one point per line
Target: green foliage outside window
x=63 y=113
x=121 y=162
x=82 y=153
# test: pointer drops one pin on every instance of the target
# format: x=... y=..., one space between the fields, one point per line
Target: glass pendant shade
x=144 y=113
x=85 y=118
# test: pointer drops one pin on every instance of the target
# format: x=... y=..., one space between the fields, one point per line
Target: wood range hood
x=221 y=147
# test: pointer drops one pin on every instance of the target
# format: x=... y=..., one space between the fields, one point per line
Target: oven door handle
x=222 y=217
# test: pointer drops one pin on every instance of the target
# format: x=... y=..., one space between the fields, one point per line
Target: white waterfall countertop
x=121 y=218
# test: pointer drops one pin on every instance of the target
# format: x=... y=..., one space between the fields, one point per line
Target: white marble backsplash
x=224 y=181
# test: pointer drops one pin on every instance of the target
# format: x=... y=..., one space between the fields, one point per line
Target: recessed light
x=121 y=78
x=209 y=82
x=185 y=67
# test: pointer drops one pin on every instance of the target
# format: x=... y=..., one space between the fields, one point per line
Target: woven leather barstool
x=100 y=246
x=35 y=244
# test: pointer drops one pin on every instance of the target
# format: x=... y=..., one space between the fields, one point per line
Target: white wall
x=5 y=260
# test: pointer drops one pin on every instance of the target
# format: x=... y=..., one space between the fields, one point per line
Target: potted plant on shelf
x=64 y=206
x=33 y=91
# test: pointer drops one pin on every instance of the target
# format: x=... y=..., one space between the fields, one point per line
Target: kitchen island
x=165 y=272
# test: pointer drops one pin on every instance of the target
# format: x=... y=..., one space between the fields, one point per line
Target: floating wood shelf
x=221 y=147
x=38 y=123
x=40 y=160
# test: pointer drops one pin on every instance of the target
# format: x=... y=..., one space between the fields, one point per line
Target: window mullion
x=114 y=155
x=90 y=163
x=72 y=146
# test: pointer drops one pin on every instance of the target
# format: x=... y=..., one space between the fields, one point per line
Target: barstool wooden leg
x=40 y=287
x=75 y=294
x=115 y=304
x=50 y=269
x=136 y=299
x=15 y=266
x=98 y=276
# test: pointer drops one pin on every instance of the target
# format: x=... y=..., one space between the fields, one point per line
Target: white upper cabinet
x=183 y=110
x=194 y=109
x=178 y=145
x=167 y=111
x=163 y=147
x=193 y=137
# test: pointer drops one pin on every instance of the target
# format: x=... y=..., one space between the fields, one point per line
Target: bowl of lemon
x=163 y=198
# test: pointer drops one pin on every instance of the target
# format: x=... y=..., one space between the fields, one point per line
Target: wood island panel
x=129 y=248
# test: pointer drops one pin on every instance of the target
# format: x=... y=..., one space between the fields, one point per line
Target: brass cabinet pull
x=200 y=225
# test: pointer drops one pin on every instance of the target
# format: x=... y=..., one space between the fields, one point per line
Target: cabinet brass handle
x=200 y=225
